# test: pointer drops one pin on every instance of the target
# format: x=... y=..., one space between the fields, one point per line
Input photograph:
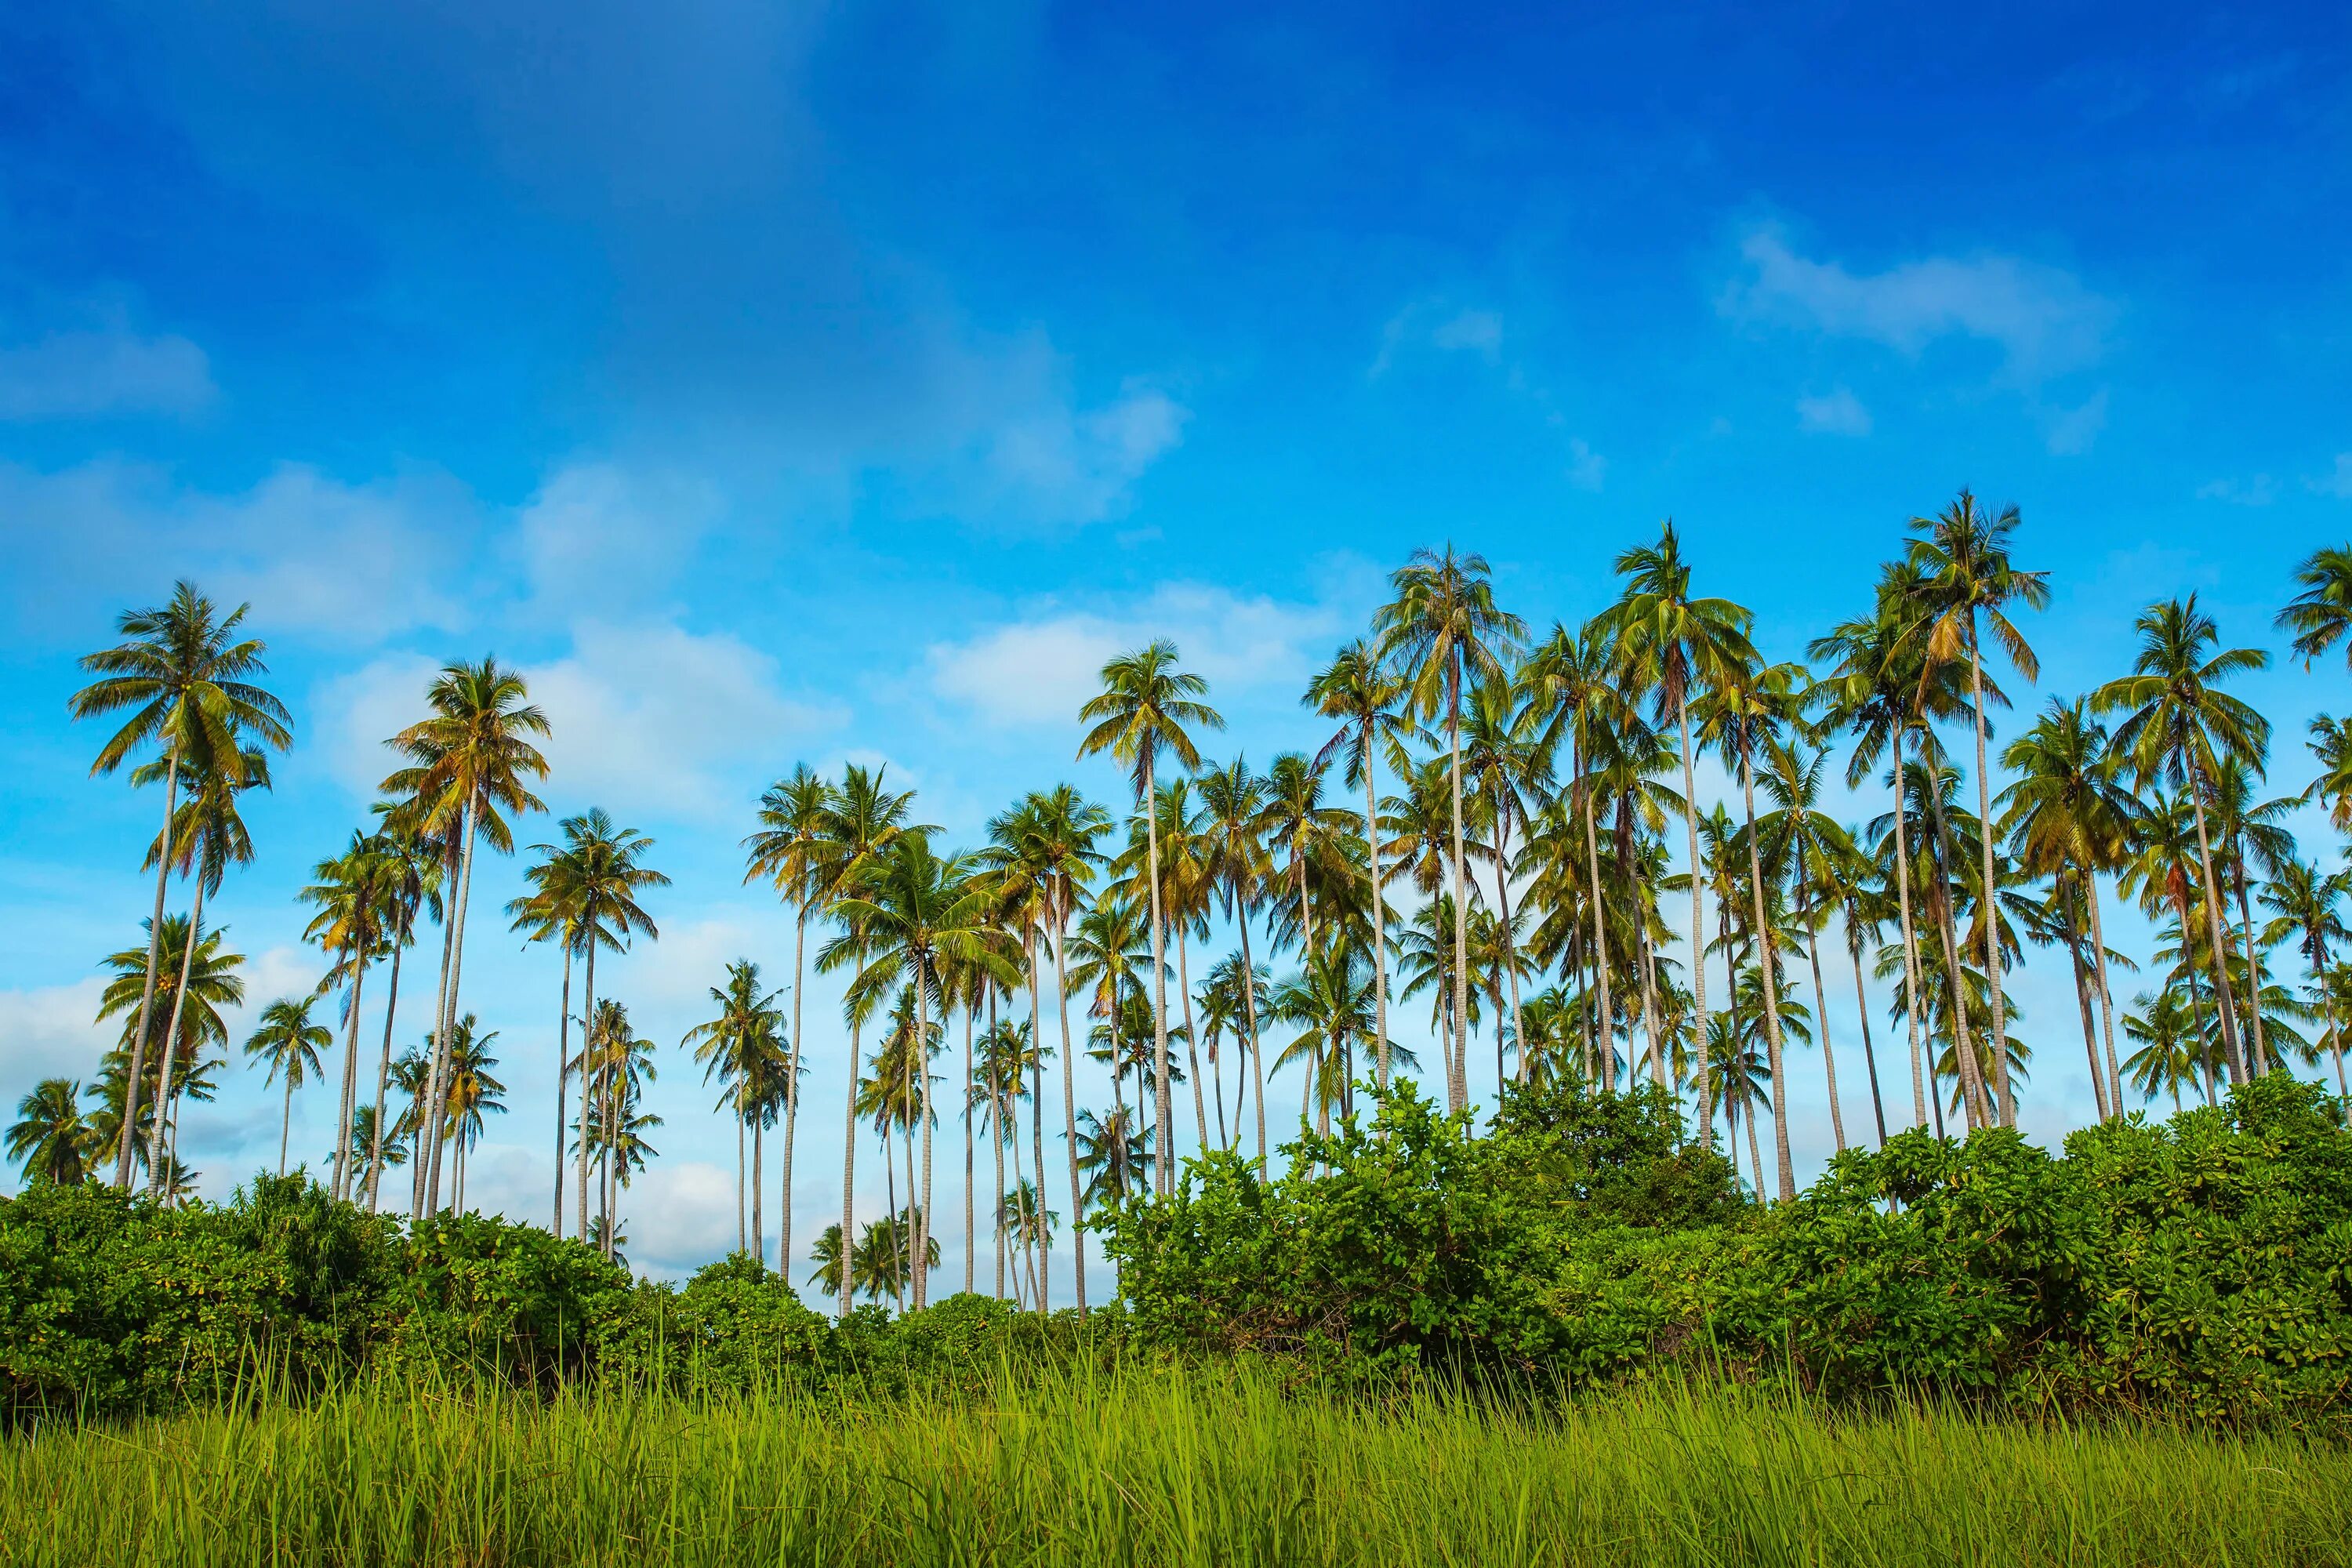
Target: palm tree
x=550 y=912
x=2179 y=727
x=208 y=836
x=1366 y=700
x=1234 y=800
x=471 y=1091
x=187 y=678
x=2169 y=1040
x=50 y=1138
x=1675 y=647
x=1330 y=1002
x=2252 y=835
x=592 y=883
x=352 y=894
x=412 y=867
x=198 y=979
x=1443 y=627
x=2070 y=817
x=2308 y=900
x=790 y=850
x=615 y=1063
x=289 y=1042
x=2321 y=614
x=1968 y=582
x=1146 y=705
x=1113 y=1155
x=467 y=764
x=1815 y=846
x=1511 y=775
x=743 y=1047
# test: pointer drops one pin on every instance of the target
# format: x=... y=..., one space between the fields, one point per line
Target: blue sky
x=780 y=383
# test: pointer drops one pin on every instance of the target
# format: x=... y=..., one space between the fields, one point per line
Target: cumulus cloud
x=109 y=369
x=2043 y=320
x=599 y=533
x=47 y=1032
x=1039 y=670
x=1836 y=413
x=1055 y=462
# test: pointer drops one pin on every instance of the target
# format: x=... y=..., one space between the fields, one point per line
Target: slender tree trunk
x=792 y=1100
x=970 y=1249
x=1457 y=1080
x=1069 y=1104
x=1033 y=1230
x=758 y=1187
x=126 y=1141
x=849 y=1175
x=1601 y=941
x=1869 y=1055
x=1217 y=1077
x=383 y=1076
x=286 y=1128
x=1011 y=1130
x=903 y=1264
x=447 y=1032
x=1814 y=955
x=1249 y=1012
x=1755 y=1155
x=1991 y=900
x=1510 y=956
x=921 y=1064
x=2197 y=1017
x=349 y=1105
x=1972 y=1071
x=996 y=1109
x=2210 y=897
x=1786 y=1169
x=2254 y=966
x=2335 y=1030
x=1380 y=932
x=1162 y=1100
x=157 y=1162
x=1699 y=932
x=1910 y=940
x=417 y=1158
x=591 y=1072
x=1191 y=1044
x=562 y=1080
x=2082 y=1000
x=2107 y=998
x=742 y=1180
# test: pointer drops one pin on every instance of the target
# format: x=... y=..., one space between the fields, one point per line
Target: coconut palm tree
x=188 y=680
x=50 y=1138
x=743 y=1048
x=472 y=1091
x=1442 y=628
x=2252 y=836
x=1675 y=647
x=2321 y=614
x=466 y=764
x=2178 y=727
x=1968 y=584
x=790 y=850
x=2308 y=900
x=1148 y=706
x=2170 y=1041
x=198 y=980
x=1812 y=845
x=353 y=895
x=289 y=1042
x=548 y=913
x=1114 y=1156
x=615 y=1064
x=1367 y=700
x=2069 y=817
x=412 y=869
x=1510 y=773
x=1236 y=803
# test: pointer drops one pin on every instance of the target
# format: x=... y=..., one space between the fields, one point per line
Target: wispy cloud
x=105 y=370
x=2260 y=490
x=1836 y=413
x=2336 y=481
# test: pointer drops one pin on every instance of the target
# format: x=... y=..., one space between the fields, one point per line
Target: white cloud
x=1474 y=331
x=1434 y=324
x=106 y=370
x=2338 y=483
x=2260 y=490
x=1039 y=671
x=1837 y=413
x=47 y=1032
x=679 y=1215
x=598 y=534
x=1057 y=463
x=2071 y=431
x=2043 y=320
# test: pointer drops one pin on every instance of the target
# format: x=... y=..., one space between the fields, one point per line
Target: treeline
x=2199 y=1269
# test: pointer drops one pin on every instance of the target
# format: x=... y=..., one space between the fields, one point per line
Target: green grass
x=1150 y=1469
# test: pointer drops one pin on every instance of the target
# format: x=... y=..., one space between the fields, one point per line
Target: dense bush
x=2201 y=1266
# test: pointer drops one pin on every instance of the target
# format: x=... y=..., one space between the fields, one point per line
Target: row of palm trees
x=1533 y=784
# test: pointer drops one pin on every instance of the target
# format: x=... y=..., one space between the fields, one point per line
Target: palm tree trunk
x=384 y=1079
x=156 y=1179
x=1217 y=1084
x=1869 y=1055
x=1191 y=1043
x=1510 y=957
x=562 y=1078
x=1994 y=1002
x=286 y=1128
x=447 y=1032
x=1249 y=1012
x=1699 y=932
x=127 y=1140
x=1755 y=1155
x=996 y=1152
x=2253 y=965
x=345 y=1178
x=2230 y=1047
x=2082 y=1000
x=1034 y=1238
x=424 y=1090
x=591 y=1071
x=1784 y=1168
x=849 y=1175
x=1010 y=1129
x=758 y=1187
x=1964 y=1055
x=2107 y=998
x=970 y=1251
x=1379 y=933
x=792 y=1102
x=2197 y=1017
x=1599 y=940
x=1162 y=1100
x=1814 y=954
x=742 y=1180
x=2335 y=1031
x=1069 y=1105
x=1910 y=939
x=920 y=1063
x=1458 y=1073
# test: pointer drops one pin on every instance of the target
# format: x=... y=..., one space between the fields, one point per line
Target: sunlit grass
x=1146 y=1467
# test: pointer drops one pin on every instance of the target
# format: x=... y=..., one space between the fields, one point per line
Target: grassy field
x=1151 y=1469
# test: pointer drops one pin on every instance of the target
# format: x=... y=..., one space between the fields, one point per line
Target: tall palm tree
x=50 y=1138
x=863 y=818
x=2178 y=727
x=1510 y=772
x=2308 y=901
x=2321 y=614
x=209 y=981
x=2162 y=870
x=550 y=912
x=1367 y=701
x=592 y=881
x=187 y=678
x=1148 y=706
x=208 y=836
x=2070 y=817
x=2252 y=836
x=1675 y=647
x=1442 y=627
x=289 y=1042
x=1815 y=846
x=1234 y=800
x=789 y=851
x=472 y=1091
x=2168 y=1036
x=352 y=893
x=1968 y=582
x=466 y=762
x=412 y=866
x=742 y=1048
